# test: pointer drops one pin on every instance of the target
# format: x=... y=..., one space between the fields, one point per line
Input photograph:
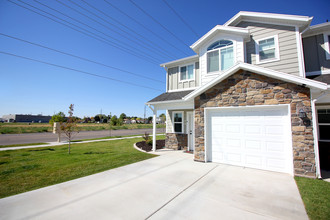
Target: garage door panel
x=275 y=129
x=254 y=137
x=253 y=161
x=253 y=145
x=275 y=164
x=233 y=143
x=252 y=129
x=275 y=147
x=233 y=128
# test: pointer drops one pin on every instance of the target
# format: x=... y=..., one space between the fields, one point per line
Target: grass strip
x=316 y=196
x=21 y=145
x=28 y=169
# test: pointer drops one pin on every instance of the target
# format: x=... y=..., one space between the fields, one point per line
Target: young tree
x=122 y=116
x=114 y=120
x=70 y=127
x=97 y=118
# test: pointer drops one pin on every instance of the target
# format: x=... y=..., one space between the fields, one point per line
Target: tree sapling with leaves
x=70 y=127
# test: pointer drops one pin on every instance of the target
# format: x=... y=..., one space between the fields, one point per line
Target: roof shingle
x=171 y=96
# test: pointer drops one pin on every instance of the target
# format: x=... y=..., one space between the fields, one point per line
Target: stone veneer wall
x=246 y=89
x=176 y=141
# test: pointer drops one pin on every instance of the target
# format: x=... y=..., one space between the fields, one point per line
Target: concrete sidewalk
x=171 y=186
x=51 y=144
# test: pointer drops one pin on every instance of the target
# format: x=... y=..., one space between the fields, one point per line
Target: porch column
x=154 y=130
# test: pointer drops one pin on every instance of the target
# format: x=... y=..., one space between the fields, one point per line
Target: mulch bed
x=160 y=144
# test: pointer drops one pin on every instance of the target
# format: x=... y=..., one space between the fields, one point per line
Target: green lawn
x=20 y=145
x=316 y=196
x=28 y=169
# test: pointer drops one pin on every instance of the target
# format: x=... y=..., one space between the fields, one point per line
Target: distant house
x=26 y=118
x=127 y=121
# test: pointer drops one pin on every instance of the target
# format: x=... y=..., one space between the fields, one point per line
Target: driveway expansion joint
x=182 y=191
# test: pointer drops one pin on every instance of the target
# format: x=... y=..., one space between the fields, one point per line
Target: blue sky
x=29 y=87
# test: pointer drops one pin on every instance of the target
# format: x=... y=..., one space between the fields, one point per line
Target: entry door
x=190 y=130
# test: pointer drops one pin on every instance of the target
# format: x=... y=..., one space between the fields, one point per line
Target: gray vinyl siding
x=174 y=79
x=314 y=54
x=288 y=62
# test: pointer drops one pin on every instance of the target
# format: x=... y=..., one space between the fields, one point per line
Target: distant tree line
x=102 y=118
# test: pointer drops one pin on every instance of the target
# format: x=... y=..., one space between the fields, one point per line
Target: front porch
x=179 y=120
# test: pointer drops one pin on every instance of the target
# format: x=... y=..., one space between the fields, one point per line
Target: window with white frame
x=220 y=56
x=187 y=72
x=326 y=37
x=267 y=49
x=178 y=122
x=323 y=116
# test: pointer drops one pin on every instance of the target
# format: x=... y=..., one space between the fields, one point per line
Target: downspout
x=316 y=138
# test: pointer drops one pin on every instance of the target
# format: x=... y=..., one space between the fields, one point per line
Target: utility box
x=56 y=128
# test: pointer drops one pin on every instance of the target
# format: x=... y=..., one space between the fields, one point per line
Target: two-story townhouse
x=244 y=98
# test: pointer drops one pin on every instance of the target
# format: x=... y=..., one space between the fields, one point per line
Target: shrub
x=147 y=138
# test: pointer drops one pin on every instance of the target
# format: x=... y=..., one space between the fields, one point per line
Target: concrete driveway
x=171 y=186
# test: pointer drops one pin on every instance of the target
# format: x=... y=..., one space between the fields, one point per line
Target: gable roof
x=293 y=20
x=244 y=32
x=259 y=70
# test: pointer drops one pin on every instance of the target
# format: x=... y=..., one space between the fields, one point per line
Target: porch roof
x=170 y=96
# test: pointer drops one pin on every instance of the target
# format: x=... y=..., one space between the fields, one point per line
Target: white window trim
x=277 y=50
x=219 y=49
x=182 y=112
x=326 y=45
x=187 y=80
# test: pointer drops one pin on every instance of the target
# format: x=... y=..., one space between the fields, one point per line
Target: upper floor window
x=187 y=72
x=267 y=50
x=220 y=56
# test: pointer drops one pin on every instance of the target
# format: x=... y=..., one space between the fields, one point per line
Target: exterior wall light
x=302 y=114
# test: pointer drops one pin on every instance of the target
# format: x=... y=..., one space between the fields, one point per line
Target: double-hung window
x=324 y=124
x=267 y=49
x=187 y=72
x=220 y=56
x=178 y=122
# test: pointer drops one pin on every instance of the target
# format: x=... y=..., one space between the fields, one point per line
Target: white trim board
x=320 y=72
x=293 y=20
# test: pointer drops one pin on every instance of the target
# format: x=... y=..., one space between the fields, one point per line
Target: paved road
x=27 y=138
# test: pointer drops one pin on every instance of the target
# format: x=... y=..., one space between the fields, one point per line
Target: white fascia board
x=220 y=29
x=317 y=29
x=173 y=105
x=295 y=19
x=183 y=60
x=259 y=70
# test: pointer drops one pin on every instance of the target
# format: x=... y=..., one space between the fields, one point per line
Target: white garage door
x=256 y=137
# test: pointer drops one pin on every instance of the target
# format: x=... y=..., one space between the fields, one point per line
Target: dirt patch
x=160 y=144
